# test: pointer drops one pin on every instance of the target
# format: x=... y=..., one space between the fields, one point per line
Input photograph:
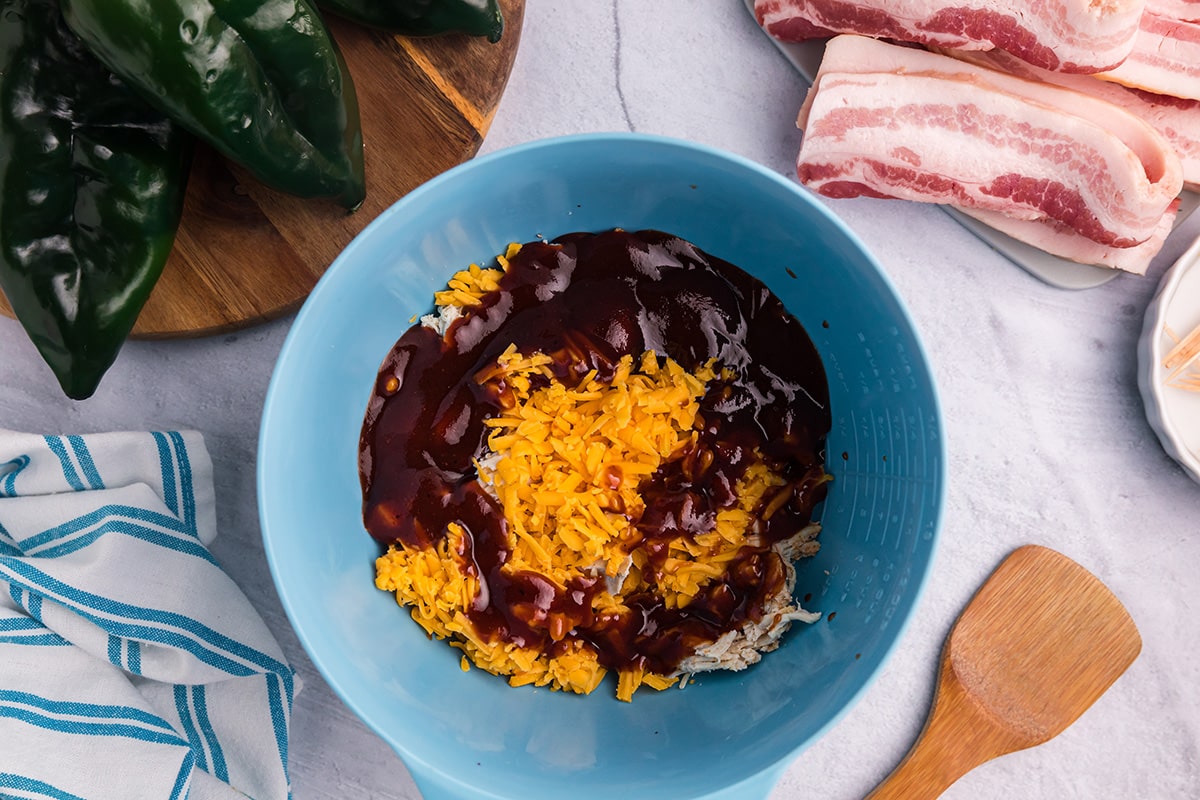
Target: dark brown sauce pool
x=587 y=300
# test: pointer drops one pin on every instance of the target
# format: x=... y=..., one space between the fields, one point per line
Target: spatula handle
x=927 y=771
x=958 y=737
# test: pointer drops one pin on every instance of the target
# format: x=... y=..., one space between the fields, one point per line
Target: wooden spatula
x=1039 y=643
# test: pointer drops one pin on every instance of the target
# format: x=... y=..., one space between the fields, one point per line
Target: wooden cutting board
x=245 y=254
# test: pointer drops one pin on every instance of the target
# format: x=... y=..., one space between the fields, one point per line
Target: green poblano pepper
x=92 y=181
x=260 y=80
x=424 y=17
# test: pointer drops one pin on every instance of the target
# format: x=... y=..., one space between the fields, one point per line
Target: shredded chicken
x=738 y=649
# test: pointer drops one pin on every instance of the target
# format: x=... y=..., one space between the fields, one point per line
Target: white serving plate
x=806 y=58
x=1173 y=413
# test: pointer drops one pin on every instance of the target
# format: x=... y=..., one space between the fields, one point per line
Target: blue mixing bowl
x=726 y=735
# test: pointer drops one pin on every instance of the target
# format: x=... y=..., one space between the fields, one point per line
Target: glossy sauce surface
x=587 y=300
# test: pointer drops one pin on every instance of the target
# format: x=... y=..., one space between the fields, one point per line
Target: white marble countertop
x=1047 y=437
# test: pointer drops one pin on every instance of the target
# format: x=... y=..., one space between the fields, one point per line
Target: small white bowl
x=1174 y=413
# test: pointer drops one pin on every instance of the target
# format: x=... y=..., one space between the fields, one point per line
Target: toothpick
x=1183 y=361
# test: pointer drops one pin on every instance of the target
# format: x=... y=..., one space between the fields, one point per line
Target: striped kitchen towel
x=131 y=665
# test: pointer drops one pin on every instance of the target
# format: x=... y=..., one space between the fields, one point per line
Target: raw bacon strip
x=1165 y=58
x=882 y=136
x=1177 y=119
x=1185 y=10
x=1062 y=35
x=889 y=121
x=1065 y=243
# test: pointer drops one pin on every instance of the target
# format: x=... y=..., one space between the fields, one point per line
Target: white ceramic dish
x=1174 y=413
x=806 y=58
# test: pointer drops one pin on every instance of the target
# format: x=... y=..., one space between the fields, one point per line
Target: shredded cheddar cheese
x=564 y=464
x=467 y=287
x=567 y=462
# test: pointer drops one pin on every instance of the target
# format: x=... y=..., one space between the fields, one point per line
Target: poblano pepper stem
x=260 y=80
x=92 y=181
x=424 y=17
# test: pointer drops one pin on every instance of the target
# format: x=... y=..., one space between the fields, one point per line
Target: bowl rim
x=766 y=777
x=1151 y=353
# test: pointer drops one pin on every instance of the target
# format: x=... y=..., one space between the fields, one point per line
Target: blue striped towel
x=131 y=665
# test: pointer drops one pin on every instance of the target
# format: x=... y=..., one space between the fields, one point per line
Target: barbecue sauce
x=586 y=300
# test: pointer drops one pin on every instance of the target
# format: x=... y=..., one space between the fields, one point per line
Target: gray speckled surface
x=1048 y=442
